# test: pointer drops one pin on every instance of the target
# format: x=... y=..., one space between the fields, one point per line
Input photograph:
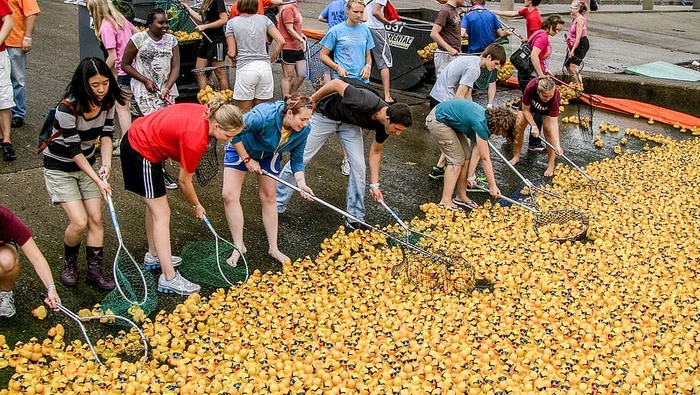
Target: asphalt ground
x=621 y=36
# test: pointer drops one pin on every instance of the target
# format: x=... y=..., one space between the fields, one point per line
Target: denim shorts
x=270 y=164
x=124 y=81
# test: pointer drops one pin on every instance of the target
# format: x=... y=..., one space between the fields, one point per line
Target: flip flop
x=468 y=205
x=393 y=100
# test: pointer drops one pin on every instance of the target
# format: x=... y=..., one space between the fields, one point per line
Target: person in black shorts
x=212 y=49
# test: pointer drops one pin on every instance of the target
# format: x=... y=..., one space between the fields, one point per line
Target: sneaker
x=7 y=304
x=537 y=148
x=8 y=152
x=151 y=262
x=437 y=173
x=170 y=182
x=178 y=285
x=17 y=122
x=352 y=225
x=345 y=167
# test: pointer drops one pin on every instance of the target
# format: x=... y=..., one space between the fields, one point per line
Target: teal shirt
x=464 y=116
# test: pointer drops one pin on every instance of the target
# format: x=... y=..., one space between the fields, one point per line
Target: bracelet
x=50 y=287
x=368 y=65
x=247 y=159
x=107 y=165
x=337 y=66
x=197 y=205
x=27 y=38
x=490 y=105
x=374 y=186
x=472 y=178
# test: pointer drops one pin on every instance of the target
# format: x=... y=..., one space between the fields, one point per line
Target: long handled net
x=135 y=292
x=208 y=166
x=431 y=266
x=584 y=108
x=207 y=261
x=131 y=347
x=314 y=66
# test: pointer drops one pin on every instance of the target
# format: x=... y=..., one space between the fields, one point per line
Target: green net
x=200 y=261
x=135 y=296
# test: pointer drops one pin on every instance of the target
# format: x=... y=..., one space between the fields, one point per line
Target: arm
x=232 y=48
x=502 y=33
x=473 y=162
x=279 y=42
x=42 y=269
x=535 y=59
x=187 y=189
x=326 y=59
x=174 y=69
x=491 y=93
x=435 y=35
x=527 y=113
x=579 y=31
x=130 y=53
x=463 y=92
x=483 y=148
x=334 y=86
x=29 y=22
x=223 y=18
x=375 y=161
x=511 y=14
x=112 y=60
x=378 y=12
x=7 y=25
x=367 y=69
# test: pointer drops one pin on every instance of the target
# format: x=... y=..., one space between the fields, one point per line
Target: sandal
x=393 y=100
x=468 y=205
x=233 y=259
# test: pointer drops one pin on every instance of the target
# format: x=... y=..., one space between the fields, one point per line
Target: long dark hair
x=80 y=91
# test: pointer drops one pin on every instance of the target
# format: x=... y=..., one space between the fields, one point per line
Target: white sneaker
x=170 y=182
x=70 y=1
x=151 y=262
x=178 y=285
x=345 y=167
x=7 y=304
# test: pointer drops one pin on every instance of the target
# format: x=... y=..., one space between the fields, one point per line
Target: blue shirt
x=481 y=25
x=334 y=12
x=349 y=45
x=464 y=116
x=262 y=133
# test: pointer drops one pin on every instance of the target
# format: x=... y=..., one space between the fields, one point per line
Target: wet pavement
x=406 y=160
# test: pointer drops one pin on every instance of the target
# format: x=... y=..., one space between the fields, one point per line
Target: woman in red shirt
x=180 y=132
x=293 y=59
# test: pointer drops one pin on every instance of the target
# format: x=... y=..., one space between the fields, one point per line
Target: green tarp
x=665 y=70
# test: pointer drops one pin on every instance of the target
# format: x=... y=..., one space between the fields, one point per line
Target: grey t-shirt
x=250 y=33
x=462 y=71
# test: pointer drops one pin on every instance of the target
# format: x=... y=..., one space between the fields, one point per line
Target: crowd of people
x=144 y=66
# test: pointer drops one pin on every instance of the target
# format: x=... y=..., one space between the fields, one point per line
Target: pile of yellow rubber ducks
x=204 y=95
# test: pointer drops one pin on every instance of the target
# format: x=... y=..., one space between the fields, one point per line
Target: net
x=135 y=295
x=199 y=261
x=453 y=274
x=210 y=76
x=314 y=66
x=208 y=166
x=562 y=225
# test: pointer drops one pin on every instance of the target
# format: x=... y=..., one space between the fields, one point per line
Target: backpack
x=45 y=133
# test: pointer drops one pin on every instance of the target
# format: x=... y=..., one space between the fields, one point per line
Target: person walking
x=533 y=19
x=180 y=132
x=19 y=43
x=481 y=26
x=346 y=108
x=577 y=41
x=14 y=234
x=212 y=50
x=270 y=130
x=381 y=53
x=462 y=129
x=289 y=23
x=446 y=33
x=6 y=94
x=113 y=30
x=85 y=114
x=246 y=36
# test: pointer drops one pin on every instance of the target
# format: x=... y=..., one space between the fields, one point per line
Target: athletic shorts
x=271 y=164
x=455 y=145
x=141 y=176
x=69 y=186
x=6 y=93
x=11 y=244
x=254 y=81
x=215 y=51
x=579 y=53
x=381 y=53
x=124 y=82
x=291 y=56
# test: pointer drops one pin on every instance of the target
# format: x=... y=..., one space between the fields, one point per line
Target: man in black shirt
x=346 y=107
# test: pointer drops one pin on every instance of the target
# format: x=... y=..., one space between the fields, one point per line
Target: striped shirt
x=77 y=137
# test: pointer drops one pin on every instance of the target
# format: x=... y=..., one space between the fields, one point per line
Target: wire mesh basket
x=211 y=76
x=208 y=166
x=562 y=224
x=314 y=67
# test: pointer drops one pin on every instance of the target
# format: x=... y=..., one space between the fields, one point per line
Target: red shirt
x=12 y=228
x=4 y=10
x=179 y=132
x=290 y=14
x=262 y=4
x=533 y=20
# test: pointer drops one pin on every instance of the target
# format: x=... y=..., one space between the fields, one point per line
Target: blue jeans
x=351 y=138
x=18 y=62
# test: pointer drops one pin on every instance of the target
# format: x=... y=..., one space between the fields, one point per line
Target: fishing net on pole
x=573 y=93
x=208 y=166
x=314 y=66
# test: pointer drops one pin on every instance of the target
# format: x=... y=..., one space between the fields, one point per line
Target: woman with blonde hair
x=180 y=132
x=113 y=30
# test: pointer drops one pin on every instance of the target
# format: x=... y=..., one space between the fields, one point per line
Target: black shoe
x=352 y=225
x=170 y=182
x=8 y=152
x=437 y=173
x=17 y=122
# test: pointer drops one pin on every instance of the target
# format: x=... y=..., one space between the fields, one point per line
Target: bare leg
x=231 y=193
x=149 y=235
x=287 y=77
x=9 y=267
x=221 y=74
x=95 y=228
x=245 y=105
x=266 y=190
x=159 y=231
x=452 y=173
x=300 y=70
x=201 y=76
x=77 y=222
x=386 y=84
x=5 y=125
x=520 y=125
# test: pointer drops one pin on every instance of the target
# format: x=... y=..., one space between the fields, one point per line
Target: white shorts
x=6 y=95
x=254 y=81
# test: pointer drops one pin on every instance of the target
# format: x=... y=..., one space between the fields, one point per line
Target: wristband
x=368 y=65
x=472 y=178
x=50 y=287
x=107 y=165
x=247 y=159
x=490 y=105
x=373 y=186
x=197 y=205
x=27 y=38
